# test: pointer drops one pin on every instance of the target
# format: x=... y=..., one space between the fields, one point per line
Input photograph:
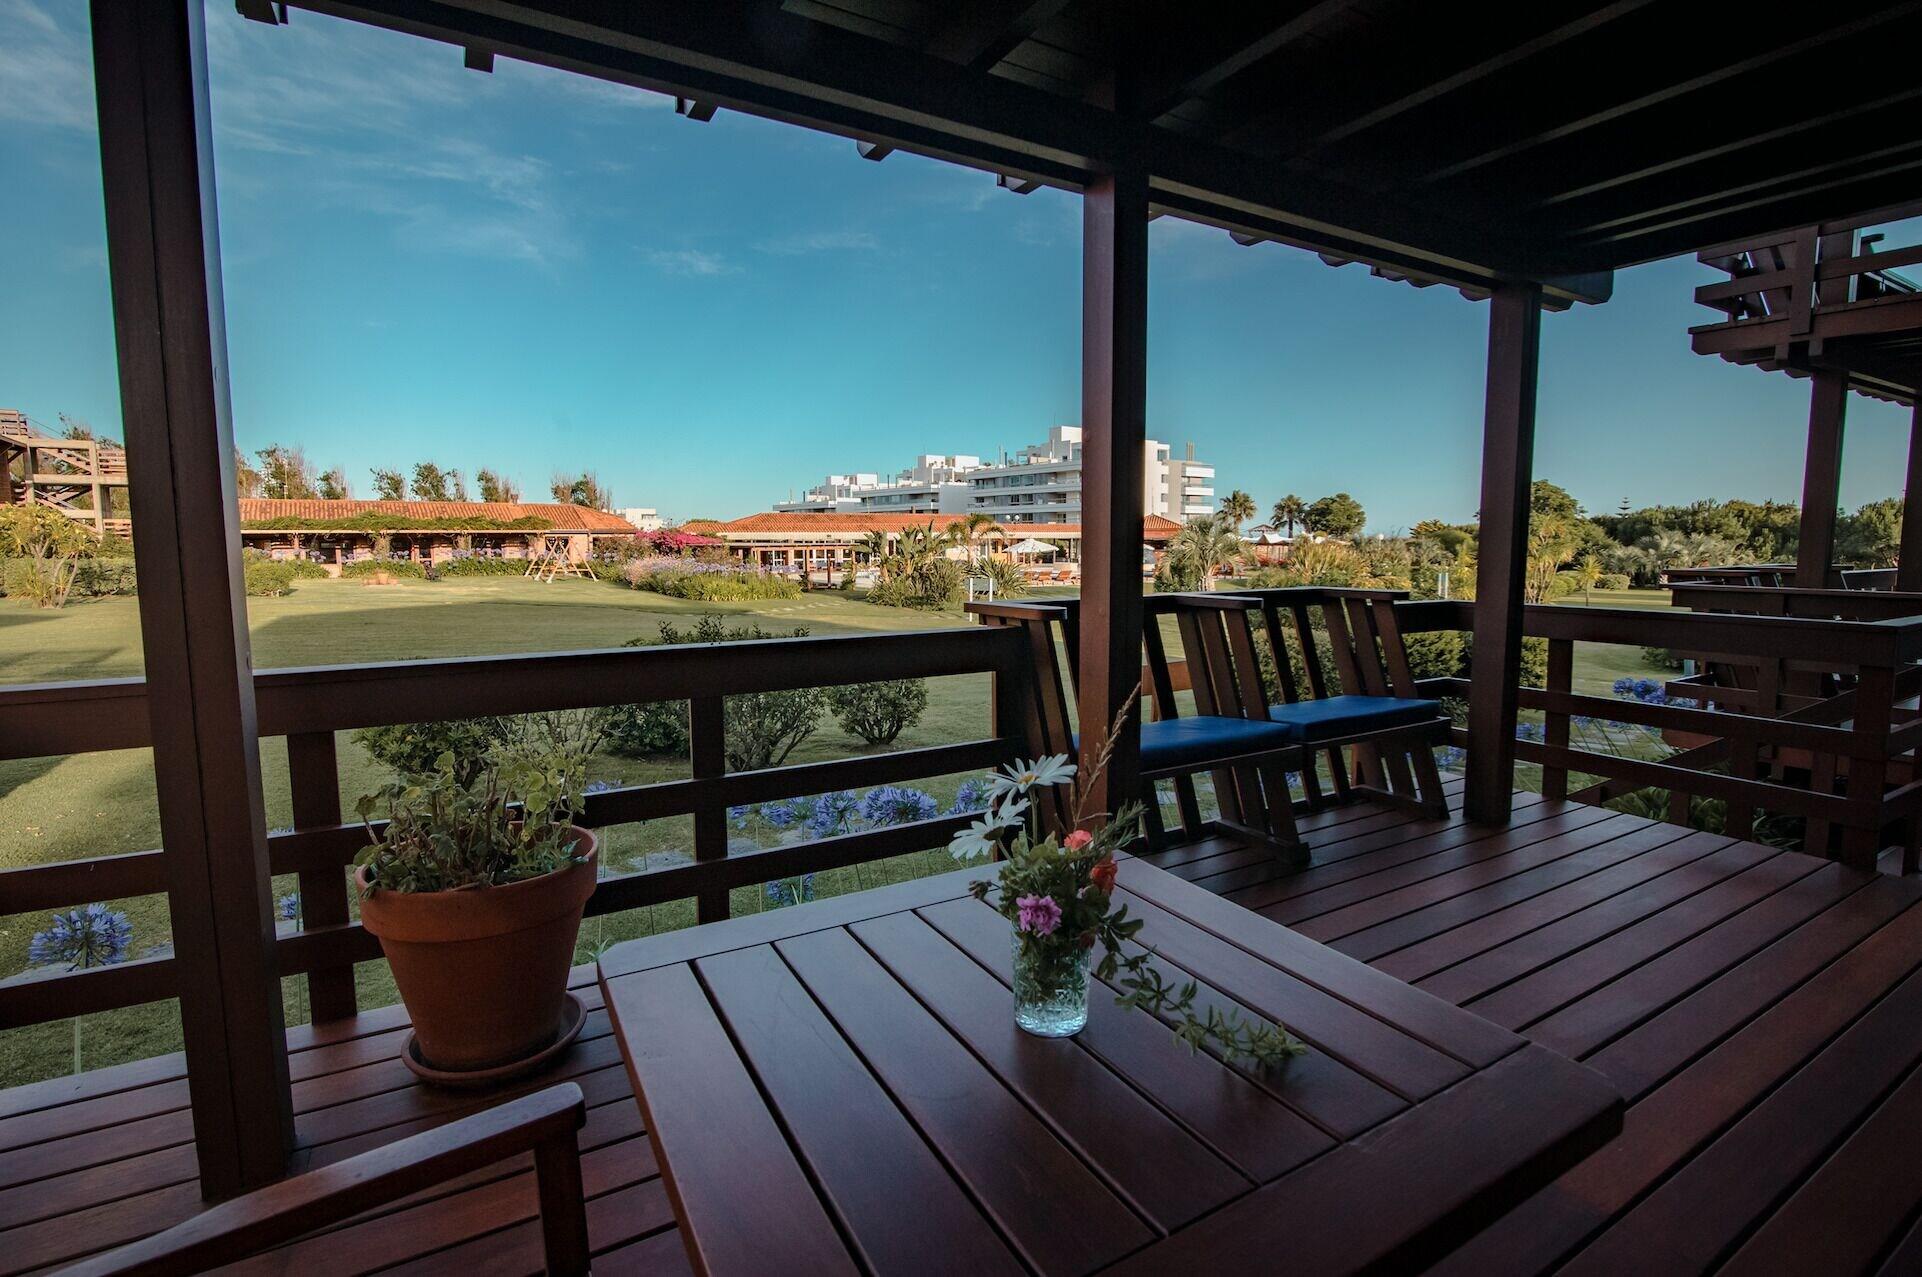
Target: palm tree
x=1289 y=512
x=1239 y=507
x=879 y=549
x=970 y=530
x=1204 y=546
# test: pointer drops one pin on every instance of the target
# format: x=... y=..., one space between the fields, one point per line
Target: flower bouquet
x=1059 y=894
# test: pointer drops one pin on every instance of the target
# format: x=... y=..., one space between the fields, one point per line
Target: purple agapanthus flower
x=833 y=813
x=782 y=815
x=288 y=906
x=972 y=796
x=897 y=805
x=95 y=936
x=790 y=891
x=1040 y=915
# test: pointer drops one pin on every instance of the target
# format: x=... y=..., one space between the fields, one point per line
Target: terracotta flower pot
x=483 y=970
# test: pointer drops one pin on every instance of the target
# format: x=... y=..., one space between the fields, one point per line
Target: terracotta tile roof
x=1154 y=527
x=560 y=518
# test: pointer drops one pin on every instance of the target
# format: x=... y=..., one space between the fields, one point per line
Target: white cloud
x=691 y=262
x=46 y=70
x=820 y=242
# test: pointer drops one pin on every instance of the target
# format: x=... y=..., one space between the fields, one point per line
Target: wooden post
x=1908 y=569
x=1508 y=459
x=1821 y=478
x=313 y=782
x=707 y=758
x=156 y=157
x=1114 y=413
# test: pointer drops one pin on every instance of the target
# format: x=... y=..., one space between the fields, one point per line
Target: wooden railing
x=308 y=706
x=1838 y=758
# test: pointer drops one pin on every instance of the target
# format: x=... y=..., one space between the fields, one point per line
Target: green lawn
x=100 y=804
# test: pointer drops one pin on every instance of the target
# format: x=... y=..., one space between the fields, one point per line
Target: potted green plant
x=475 y=889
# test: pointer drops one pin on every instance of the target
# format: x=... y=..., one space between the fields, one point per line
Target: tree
x=246 y=478
x=389 y=485
x=456 y=486
x=1872 y=536
x=1203 y=547
x=50 y=545
x=285 y=474
x=1289 y=512
x=1239 y=507
x=583 y=489
x=970 y=530
x=497 y=487
x=1337 y=516
x=334 y=487
x=430 y=483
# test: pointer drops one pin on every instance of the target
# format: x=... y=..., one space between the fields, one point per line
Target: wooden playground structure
x=77 y=477
x=552 y=562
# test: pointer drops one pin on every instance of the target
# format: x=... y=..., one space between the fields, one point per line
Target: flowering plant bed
x=1059 y=896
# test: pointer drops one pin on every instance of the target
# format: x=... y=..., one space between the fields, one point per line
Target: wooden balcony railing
x=308 y=706
x=1838 y=757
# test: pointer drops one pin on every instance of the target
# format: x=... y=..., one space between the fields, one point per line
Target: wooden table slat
x=1023 y=1176
x=1168 y=1175
x=1246 y=1124
x=735 y=1183
x=862 y=1152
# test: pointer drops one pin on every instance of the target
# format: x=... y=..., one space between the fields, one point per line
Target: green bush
x=878 y=712
x=474 y=565
x=412 y=748
x=104 y=578
x=1661 y=658
x=1613 y=581
x=20 y=579
x=308 y=570
x=392 y=567
x=1436 y=654
x=762 y=728
x=723 y=587
x=268 y=579
x=932 y=583
x=1534 y=662
x=1009 y=581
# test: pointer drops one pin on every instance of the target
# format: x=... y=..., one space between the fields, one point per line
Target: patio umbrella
x=1032 y=546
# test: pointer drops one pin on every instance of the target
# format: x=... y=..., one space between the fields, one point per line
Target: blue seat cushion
x=1334 y=717
x=1175 y=743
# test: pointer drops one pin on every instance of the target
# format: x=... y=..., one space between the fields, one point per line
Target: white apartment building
x=1039 y=484
x=646 y=518
x=932 y=485
x=1042 y=483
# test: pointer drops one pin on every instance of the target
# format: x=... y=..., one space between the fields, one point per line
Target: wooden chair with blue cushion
x=1370 y=706
x=1229 y=734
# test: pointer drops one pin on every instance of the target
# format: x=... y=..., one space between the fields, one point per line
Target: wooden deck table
x=839 y=1087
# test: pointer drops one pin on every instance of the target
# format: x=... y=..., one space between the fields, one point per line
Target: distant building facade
x=1039 y=484
x=644 y=517
x=336 y=532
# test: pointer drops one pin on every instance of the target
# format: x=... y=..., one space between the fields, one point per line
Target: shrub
x=413 y=748
x=268 y=579
x=929 y=584
x=392 y=567
x=307 y=570
x=878 y=712
x=477 y=565
x=22 y=579
x=706 y=582
x=1534 y=662
x=762 y=728
x=1661 y=658
x=1009 y=581
x=1437 y=654
x=1613 y=581
x=104 y=578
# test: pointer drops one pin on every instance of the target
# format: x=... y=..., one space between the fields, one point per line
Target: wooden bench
x=1248 y=744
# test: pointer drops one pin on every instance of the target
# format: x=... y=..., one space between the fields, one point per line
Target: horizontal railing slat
x=69 y=882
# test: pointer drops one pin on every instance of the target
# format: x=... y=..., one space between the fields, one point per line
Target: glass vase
x=1050 y=987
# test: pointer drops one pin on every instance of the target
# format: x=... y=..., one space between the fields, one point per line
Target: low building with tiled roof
x=785 y=540
x=425 y=531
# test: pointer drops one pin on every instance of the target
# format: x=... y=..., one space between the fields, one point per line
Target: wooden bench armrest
x=544 y=1123
x=1015 y=611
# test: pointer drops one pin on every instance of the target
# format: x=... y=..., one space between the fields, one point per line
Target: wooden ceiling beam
x=1170 y=86
x=985 y=32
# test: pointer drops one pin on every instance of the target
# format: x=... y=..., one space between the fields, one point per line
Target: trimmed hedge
x=393 y=567
x=266 y=578
x=475 y=565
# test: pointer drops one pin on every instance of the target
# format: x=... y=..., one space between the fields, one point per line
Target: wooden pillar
x=1114 y=411
x=150 y=74
x=1908 y=570
x=1821 y=478
x=1508 y=459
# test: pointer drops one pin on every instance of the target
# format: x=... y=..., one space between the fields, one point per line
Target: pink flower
x=1078 y=839
x=1040 y=915
x=1102 y=875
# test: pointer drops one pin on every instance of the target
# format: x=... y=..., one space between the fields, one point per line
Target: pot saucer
x=573 y=1016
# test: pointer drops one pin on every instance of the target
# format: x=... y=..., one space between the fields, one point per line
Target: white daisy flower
x=1021 y=777
x=983 y=837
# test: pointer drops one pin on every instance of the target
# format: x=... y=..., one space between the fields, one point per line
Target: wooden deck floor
x=1761 y=1010
x=92 y=1161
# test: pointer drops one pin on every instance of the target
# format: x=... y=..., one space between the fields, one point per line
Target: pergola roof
x=1554 y=141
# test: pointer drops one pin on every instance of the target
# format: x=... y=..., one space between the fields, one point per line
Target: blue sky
x=534 y=271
